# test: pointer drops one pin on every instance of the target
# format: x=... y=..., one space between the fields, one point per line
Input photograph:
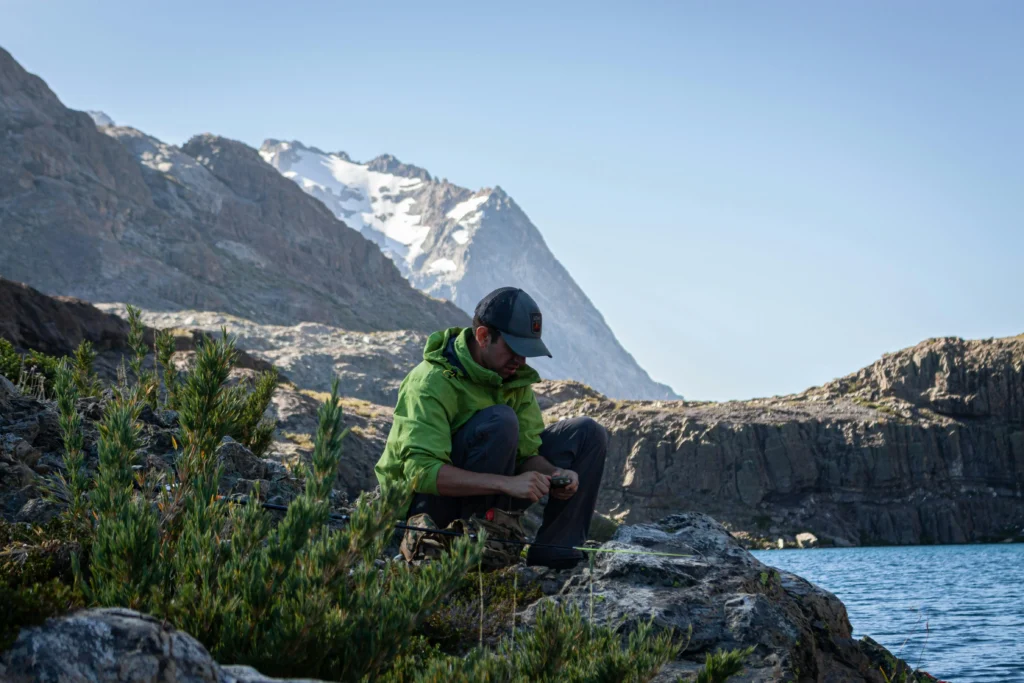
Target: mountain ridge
x=459 y=244
x=118 y=215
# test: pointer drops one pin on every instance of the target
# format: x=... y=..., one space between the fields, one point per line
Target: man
x=468 y=430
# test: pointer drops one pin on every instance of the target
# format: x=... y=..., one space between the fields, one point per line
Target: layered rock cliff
x=924 y=446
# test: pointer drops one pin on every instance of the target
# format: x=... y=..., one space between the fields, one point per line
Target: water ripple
x=955 y=611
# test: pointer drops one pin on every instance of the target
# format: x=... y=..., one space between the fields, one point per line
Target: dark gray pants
x=488 y=442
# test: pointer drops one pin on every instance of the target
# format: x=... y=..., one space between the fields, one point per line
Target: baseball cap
x=516 y=315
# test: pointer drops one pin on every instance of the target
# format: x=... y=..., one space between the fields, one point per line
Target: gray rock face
x=115 y=214
x=369 y=365
x=116 y=646
x=728 y=598
x=459 y=245
x=924 y=446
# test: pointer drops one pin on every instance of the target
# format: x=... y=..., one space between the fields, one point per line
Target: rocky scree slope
x=459 y=245
x=369 y=365
x=924 y=446
x=30 y=444
x=111 y=214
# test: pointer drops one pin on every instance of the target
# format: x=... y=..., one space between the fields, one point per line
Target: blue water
x=955 y=611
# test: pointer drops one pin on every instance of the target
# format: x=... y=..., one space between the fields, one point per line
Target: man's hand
x=529 y=485
x=566 y=492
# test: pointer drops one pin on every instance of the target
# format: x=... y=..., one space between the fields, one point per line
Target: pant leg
x=487 y=443
x=578 y=444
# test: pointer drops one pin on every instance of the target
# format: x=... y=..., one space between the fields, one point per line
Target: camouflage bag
x=499 y=524
x=421 y=545
x=505 y=525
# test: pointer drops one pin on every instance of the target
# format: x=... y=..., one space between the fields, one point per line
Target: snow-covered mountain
x=457 y=244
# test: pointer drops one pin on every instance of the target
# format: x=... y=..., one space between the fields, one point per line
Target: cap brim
x=526 y=346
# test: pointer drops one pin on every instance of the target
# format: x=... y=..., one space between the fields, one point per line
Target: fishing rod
x=473 y=536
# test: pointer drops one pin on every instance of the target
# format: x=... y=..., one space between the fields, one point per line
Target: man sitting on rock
x=468 y=430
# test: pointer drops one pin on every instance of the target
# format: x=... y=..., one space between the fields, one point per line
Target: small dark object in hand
x=560 y=482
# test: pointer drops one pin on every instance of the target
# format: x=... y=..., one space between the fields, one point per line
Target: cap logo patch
x=535 y=323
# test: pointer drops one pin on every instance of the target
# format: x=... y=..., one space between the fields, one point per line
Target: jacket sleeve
x=531 y=424
x=422 y=435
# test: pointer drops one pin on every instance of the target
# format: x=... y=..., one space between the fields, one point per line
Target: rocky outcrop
x=116 y=215
x=369 y=365
x=117 y=646
x=924 y=446
x=724 y=598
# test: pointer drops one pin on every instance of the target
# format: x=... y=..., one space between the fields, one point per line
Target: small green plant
x=250 y=427
x=86 y=381
x=10 y=361
x=720 y=665
x=165 y=344
x=146 y=380
x=72 y=485
x=562 y=646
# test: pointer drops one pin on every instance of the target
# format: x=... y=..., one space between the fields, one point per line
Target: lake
x=955 y=611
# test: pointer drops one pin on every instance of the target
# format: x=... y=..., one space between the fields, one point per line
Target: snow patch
x=364 y=199
x=442 y=265
x=461 y=236
x=463 y=209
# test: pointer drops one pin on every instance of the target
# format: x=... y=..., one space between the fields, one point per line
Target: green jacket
x=437 y=397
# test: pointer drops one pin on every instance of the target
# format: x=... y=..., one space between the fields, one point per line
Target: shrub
x=562 y=646
x=250 y=427
x=720 y=665
x=164 y=343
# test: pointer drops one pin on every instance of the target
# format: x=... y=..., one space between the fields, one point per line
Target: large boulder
x=116 y=646
x=710 y=584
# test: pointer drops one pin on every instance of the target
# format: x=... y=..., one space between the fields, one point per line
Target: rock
x=729 y=598
x=116 y=646
x=553 y=392
x=26 y=453
x=239 y=460
x=7 y=389
x=108 y=645
x=806 y=540
x=38 y=511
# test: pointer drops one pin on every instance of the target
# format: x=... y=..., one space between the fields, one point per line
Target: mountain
x=112 y=214
x=457 y=244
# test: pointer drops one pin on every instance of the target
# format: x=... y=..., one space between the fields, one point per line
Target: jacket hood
x=434 y=352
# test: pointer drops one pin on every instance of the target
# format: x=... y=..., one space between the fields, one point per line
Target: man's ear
x=483 y=336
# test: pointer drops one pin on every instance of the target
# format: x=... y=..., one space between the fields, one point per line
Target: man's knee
x=594 y=433
x=499 y=422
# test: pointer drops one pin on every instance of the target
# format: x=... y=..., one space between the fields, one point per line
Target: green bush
x=721 y=664
x=292 y=598
x=561 y=646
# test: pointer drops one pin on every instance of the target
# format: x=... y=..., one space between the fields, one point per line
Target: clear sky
x=758 y=196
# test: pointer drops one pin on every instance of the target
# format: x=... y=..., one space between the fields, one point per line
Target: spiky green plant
x=562 y=646
x=86 y=381
x=74 y=482
x=10 y=361
x=251 y=429
x=125 y=566
x=164 y=351
x=722 y=664
x=146 y=380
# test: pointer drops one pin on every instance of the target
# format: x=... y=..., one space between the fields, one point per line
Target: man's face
x=496 y=355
